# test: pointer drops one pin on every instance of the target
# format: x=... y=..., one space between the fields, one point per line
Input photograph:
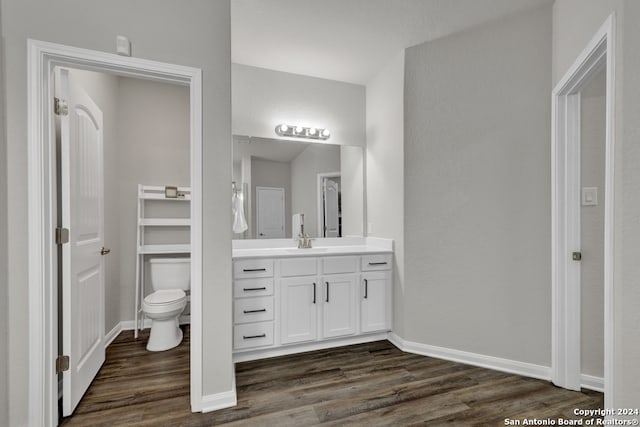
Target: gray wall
x=4 y=313
x=263 y=98
x=385 y=170
x=203 y=26
x=477 y=190
x=305 y=168
x=267 y=173
x=575 y=23
x=592 y=123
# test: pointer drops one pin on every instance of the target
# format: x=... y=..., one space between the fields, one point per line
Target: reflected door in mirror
x=331 y=209
x=269 y=212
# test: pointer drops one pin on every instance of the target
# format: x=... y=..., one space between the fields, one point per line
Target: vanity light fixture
x=302 y=132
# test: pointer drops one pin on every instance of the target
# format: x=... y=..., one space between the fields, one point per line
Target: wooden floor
x=367 y=384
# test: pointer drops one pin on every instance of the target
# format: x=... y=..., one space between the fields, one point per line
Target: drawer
x=298 y=267
x=342 y=264
x=253 y=287
x=250 y=268
x=252 y=335
x=247 y=310
x=376 y=262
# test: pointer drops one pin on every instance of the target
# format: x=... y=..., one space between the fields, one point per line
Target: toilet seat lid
x=165 y=296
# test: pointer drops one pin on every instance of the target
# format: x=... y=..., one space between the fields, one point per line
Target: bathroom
x=464 y=194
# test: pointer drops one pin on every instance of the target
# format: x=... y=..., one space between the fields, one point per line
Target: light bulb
x=299 y=129
x=326 y=133
x=312 y=131
x=284 y=128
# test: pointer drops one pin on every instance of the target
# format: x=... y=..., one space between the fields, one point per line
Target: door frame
x=565 y=219
x=42 y=57
x=320 y=197
x=284 y=209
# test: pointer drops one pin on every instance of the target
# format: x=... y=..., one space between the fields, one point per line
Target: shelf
x=165 y=249
x=165 y=222
x=160 y=196
x=155 y=192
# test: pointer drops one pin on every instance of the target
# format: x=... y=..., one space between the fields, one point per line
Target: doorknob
x=104 y=251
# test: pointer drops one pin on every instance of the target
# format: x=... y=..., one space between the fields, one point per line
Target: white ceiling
x=349 y=40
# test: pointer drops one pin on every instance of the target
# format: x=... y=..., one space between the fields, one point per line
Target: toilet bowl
x=170 y=278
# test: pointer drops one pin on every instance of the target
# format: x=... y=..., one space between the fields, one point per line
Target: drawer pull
x=262 y=310
x=254 y=289
x=252 y=270
x=366 y=288
x=378 y=263
x=251 y=337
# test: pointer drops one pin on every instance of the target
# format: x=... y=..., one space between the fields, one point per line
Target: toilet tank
x=170 y=273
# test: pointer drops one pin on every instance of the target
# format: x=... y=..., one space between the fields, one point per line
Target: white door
x=375 y=305
x=339 y=306
x=269 y=212
x=299 y=307
x=82 y=262
x=331 y=220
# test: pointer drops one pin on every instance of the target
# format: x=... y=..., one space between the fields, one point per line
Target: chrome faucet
x=304 y=241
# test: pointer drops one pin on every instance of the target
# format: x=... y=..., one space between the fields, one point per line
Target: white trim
x=225 y=399
x=265 y=353
x=320 y=199
x=591 y=382
x=475 y=359
x=42 y=58
x=565 y=360
x=113 y=334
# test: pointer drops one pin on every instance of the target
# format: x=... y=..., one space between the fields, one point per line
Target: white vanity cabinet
x=375 y=310
x=298 y=309
x=339 y=302
x=288 y=304
x=253 y=303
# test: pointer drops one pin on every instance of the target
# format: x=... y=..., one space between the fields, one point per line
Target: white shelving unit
x=155 y=194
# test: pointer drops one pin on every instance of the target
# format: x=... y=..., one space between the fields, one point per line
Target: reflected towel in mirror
x=237 y=209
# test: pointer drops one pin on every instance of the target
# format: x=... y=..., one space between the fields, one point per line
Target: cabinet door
x=375 y=308
x=339 y=305
x=299 y=298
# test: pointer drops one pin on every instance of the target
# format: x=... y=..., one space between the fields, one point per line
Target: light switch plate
x=589 y=196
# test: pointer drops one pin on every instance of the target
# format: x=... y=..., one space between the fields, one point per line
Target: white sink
x=306 y=251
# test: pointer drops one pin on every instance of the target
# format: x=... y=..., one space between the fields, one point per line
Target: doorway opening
x=113 y=134
x=43 y=263
x=568 y=200
x=329 y=204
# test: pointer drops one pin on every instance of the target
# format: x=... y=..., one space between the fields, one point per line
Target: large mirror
x=283 y=183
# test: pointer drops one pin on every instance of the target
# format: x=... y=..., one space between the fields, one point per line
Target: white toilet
x=170 y=278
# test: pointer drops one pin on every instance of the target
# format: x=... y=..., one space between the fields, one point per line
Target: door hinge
x=60 y=107
x=62 y=364
x=576 y=256
x=62 y=235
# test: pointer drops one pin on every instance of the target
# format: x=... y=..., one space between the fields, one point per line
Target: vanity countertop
x=361 y=246
x=317 y=251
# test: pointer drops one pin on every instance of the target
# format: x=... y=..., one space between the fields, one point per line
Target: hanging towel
x=296 y=224
x=237 y=209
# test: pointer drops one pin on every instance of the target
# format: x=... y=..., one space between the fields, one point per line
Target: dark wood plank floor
x=367 y=384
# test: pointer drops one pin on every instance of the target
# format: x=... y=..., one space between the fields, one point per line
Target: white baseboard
x=481 y=360
x=592 y=383
x=226 y=399
x=112 y=334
